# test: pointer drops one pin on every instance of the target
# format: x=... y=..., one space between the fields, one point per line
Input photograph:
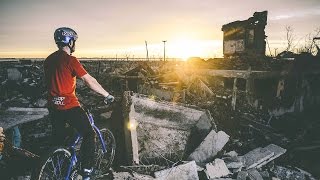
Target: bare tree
x=309 y=46
x=290 y=37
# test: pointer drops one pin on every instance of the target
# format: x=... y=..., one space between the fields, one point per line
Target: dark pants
x=77 y=119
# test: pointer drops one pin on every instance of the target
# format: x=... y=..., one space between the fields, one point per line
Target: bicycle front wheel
x=103 y=160
x=55 y=166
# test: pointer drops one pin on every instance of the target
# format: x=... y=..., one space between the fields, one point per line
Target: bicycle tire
x=103 y=161
x=49 y=169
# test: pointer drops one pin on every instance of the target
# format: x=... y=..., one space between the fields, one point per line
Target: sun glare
x=186 y=48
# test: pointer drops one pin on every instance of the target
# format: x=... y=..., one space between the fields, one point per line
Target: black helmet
x=64 y=35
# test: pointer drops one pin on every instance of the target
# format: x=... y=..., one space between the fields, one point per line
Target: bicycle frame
x=76 y=141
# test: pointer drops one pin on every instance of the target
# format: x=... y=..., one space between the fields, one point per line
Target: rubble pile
x=256 y=164
x=242 y=63
x=247 y=140
x=22 y=84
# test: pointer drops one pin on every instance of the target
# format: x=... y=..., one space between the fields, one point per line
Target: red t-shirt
x=61 y=71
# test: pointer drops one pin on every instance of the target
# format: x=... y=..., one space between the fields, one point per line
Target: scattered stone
x=41 y=103
x=216 y=169
x=286 y=173
x=310 y=176
x=231 y=154
x=106 y=115
x=14 y=74
x=212 y=144
x=265 y=174
x=130 y=176
x=186 y=171
x=242 y=175
x=254 y=175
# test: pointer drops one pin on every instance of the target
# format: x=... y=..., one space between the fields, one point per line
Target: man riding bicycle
x=61 y=70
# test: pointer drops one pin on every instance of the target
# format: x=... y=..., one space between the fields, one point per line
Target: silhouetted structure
x=245 y=37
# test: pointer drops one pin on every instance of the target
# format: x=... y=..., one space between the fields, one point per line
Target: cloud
x=297 y=14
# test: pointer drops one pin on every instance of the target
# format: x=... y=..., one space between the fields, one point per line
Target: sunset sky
x=110 y=28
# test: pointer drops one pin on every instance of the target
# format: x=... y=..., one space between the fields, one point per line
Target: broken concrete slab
x=256 y=157
x=15 y=115
x=210 y=146
x=254 y=174
x=216 y=169
x=234 y=162
x=261 y=156
x=277 y=150
x=186 y=171
x=160 y=129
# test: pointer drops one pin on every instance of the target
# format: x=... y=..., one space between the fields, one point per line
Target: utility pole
x=147 y=50
x=164 y=50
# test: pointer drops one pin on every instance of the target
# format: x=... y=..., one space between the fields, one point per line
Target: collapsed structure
x=220 y=118
x=245 y=37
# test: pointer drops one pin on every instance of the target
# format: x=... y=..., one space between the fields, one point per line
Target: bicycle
x=63 y=164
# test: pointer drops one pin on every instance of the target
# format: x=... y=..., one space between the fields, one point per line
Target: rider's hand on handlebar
x=109 y=99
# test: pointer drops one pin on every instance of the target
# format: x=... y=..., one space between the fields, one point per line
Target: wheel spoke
x=56 y=166
x=104 y=160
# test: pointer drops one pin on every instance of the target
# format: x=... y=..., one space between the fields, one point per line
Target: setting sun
x=185 y=48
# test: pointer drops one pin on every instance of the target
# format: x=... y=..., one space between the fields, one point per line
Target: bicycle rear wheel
x=103 y=161
x=55 y=166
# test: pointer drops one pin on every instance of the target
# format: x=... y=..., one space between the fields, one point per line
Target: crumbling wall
x=246 y=36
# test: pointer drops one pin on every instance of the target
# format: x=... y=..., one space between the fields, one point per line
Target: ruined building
x=245 y=37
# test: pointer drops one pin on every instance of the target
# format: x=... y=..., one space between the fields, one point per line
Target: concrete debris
x=186 y=171
x=130 y=176
x=265 y=174
x=106 y=115
x=143 y=169
x=242 y=175
x=162 y=129
x=14 y=74
x=253 y=174
x=15 y=115
x=212 y=144
x=261 y=156
x=41 y=103
x=286 y=173
x=307 y=174
x=216 y=169
x=231 y=154
x=277 y=150
x=163 y=133
x=236 y=162
x=256 y=157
